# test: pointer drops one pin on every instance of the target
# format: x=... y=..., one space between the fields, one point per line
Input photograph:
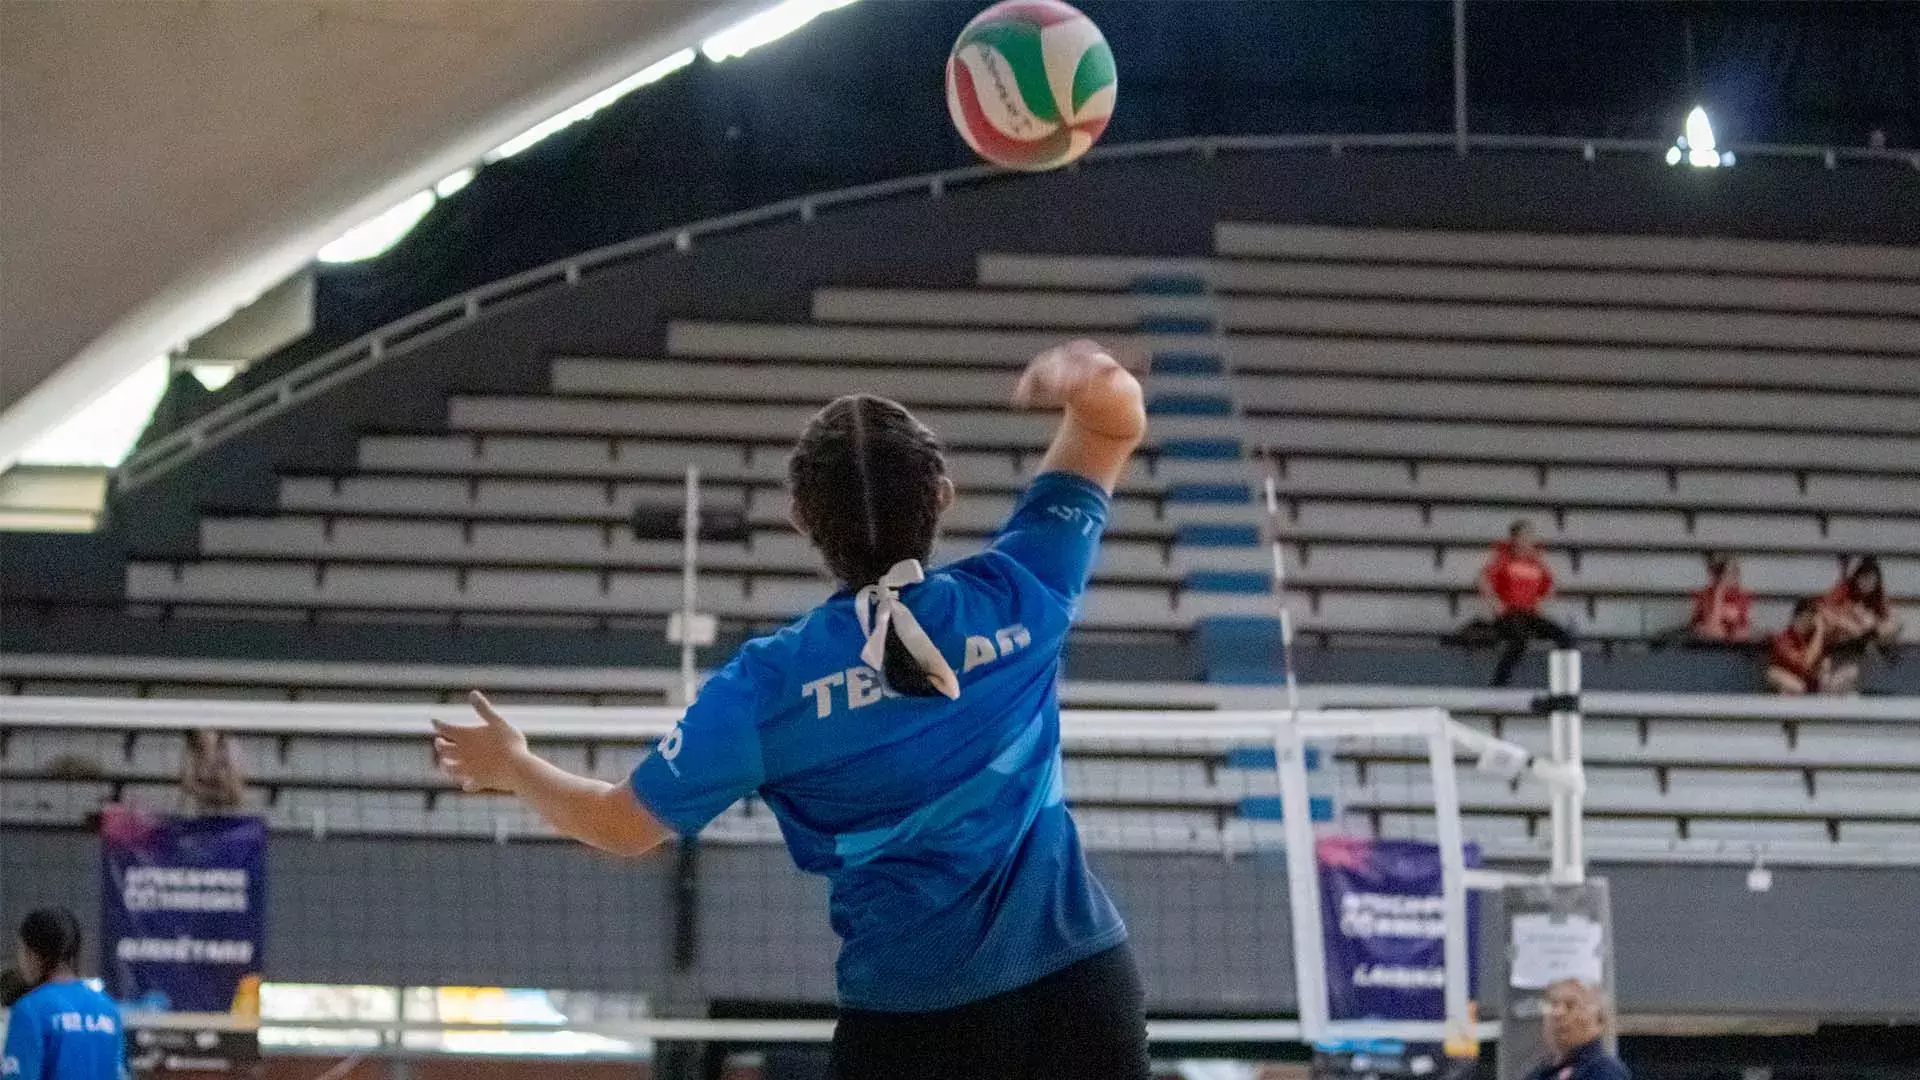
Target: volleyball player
x=61 y=1028
x=906 y=733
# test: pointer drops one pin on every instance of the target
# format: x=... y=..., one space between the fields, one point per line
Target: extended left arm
x=493 y=756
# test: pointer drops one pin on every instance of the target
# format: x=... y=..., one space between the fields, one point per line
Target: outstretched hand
x=482 y=757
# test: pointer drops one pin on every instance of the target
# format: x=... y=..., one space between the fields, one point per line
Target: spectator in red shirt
x=1798 y=663
x=1858 y=615
x=1515 y=582
x=1723 y=610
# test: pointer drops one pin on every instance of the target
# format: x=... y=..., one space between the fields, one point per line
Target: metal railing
x=430 y=324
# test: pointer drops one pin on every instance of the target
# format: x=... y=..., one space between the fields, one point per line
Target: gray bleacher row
x=1599 y=428
x=1583 y=425
x=1438 y=320
x=1341 y=497
x=1345 y=354
x=1311 y=277
x=1717 y=255
x=1357 y=394
x=1337 y=497
x=774 y=549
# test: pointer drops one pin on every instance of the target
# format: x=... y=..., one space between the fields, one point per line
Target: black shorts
x=1083 y=1021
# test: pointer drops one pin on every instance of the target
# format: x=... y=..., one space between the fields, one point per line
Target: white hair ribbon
x=878 y=607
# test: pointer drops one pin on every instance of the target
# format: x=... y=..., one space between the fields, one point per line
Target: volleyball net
x=403 y=915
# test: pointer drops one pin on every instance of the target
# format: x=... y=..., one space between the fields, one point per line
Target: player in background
x=906 y=733
x=61 y=1028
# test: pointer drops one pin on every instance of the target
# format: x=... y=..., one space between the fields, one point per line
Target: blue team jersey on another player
x=63 y=1031
x=941 y=826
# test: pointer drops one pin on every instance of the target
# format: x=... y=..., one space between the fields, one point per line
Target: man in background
x=1576 y=1024
x=1515 y=582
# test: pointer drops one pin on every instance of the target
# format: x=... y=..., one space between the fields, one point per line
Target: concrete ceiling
x=164 y=161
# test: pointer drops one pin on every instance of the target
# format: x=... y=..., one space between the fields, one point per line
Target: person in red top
x=1516 y=581
x=1723 y=611
x=1858 y=613
x=1798 y=663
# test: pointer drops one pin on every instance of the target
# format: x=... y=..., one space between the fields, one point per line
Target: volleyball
x=1031 y=84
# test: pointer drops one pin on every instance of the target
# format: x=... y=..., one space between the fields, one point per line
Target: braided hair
x=866 y=479
x=52 y=935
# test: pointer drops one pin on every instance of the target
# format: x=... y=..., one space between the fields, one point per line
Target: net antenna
x=1443 y=738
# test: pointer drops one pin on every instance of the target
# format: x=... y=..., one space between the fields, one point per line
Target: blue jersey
x=941 y=826
x=63 y=1031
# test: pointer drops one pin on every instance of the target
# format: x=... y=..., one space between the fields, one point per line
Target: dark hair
x=866 y=478
x=1878 y=597
x=1717 y=562
x=1519 y=526
x=1806 y=605
x=51 y=934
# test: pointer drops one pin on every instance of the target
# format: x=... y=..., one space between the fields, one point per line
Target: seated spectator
x=1723 y=610
x=210 y=776
x=1516 y=581
x=1858 y=615
x=1798 y=663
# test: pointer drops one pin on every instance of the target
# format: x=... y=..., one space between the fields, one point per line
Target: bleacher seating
x=1411 y=392
x=1643 y=401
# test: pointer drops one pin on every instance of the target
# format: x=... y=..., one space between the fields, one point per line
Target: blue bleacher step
x=1217 y=535
x=1201 y=449
x=1263 y=757
x=1170 y=284
x=1209 y=493
x=1190 y=405
x=1239 y=649
x=1187 y=363
x=1228 y=581
x=1267 y=808
x=1175 y=324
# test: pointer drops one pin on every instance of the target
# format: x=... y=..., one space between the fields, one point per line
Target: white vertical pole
x=689 y=585
x=1453 y=874
x=1569 y=862
x=1280 y=596
x=1303 y=880
x=1460 y=77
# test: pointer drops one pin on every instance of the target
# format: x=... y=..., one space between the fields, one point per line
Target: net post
x=689 y=585
x=1303 y=880
x=1569 y=864
x=1453 y=873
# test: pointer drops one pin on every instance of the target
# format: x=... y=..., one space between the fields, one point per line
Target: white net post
x=1569 y=863
x=1453 y=876
x=1303 y=877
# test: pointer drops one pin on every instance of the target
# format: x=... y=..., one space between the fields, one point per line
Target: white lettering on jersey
x=979 y=651
x=669 y=748
x=1012 y=639
x=864 y=686
x=822 y=691
x=1074 y=515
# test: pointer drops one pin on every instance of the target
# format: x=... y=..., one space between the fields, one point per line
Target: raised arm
x=1106 y=415
x=493 y=756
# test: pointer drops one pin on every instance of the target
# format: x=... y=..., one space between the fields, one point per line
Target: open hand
x=482 y=757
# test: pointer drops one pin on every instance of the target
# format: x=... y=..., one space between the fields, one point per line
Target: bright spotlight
x=1697 y=146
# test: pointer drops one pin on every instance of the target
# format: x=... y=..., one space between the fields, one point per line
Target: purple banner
x=183 y=910
x=1381 y=914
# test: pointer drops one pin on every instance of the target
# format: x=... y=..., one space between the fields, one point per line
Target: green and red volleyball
x=1030 y=84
